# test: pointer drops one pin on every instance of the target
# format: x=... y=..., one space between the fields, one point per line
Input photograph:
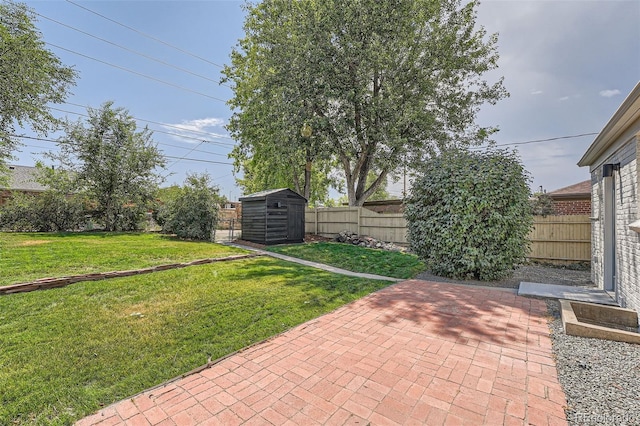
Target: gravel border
x=601 y=378
x=533 y=272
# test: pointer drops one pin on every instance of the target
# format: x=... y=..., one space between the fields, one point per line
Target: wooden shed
x=273 y=217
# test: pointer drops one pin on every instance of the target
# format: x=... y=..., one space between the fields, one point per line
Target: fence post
x=358 y=210
x=316 y=224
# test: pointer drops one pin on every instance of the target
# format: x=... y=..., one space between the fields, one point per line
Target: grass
x=355 y=258
x=67 y=352
x=25 y=257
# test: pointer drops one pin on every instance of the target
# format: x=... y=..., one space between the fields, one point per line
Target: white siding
x=627 y=241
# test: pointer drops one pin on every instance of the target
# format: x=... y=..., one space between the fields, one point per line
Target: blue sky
x=567 y=64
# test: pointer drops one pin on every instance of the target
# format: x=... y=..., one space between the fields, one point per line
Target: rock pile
x=363 y=241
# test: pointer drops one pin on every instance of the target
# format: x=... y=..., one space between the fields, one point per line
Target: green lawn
x=355 y=258
x=29 y=256
x=65 y=353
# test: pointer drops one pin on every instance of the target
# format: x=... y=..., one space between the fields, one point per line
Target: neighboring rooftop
x=577 y=190
x=23 y=178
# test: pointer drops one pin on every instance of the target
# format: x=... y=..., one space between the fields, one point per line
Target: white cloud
x=536 y=92
x=609 y=93
x=564 y=98
x=187 y=130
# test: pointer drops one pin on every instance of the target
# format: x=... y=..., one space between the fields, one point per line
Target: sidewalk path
x=312 y=264
x=416 y=352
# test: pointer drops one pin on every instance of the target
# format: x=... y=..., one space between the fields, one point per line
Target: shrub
x=193 y=211
x=48 y=211
x=469 y=215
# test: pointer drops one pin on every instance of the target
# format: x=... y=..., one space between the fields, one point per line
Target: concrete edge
x=574 y=327
x=317 y=265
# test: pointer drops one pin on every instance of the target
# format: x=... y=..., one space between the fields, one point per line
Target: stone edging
x=47 y=283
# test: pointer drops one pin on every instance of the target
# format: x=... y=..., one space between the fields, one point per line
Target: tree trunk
x=307 y=179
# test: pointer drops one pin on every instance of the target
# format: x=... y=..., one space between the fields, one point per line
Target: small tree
x=468 y=214
x=114 y=163
x=192 y=212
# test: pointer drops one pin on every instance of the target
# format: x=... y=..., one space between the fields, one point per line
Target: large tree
x=381 y=84
x=117 y=164
x=31 y=77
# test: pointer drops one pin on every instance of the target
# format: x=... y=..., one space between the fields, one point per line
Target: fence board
x=553 y=238
x=561 y=238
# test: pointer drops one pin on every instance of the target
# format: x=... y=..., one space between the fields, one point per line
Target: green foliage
x=192 y=212
x=114 y=164
x=269 y=171
x=44 y=212
x=542 y=204
x=381 y=192
x=380 y=84
x=18 y=214
x=468 y=214
x=31 y=77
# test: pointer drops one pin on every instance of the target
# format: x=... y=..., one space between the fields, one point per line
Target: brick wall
x=572 y=207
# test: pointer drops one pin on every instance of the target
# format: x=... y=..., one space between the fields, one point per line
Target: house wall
x=572 y=207
x=627 y=241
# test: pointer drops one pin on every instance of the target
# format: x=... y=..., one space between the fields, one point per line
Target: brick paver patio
x=414 y=353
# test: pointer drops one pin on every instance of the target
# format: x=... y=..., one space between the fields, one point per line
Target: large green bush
x=44 y=212
x=192 y=210
x=469 y=215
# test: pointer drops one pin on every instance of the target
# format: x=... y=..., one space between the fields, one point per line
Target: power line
x=222 y=144
x=160 y=61
x=172 y=126
x=146 y=35
x=184 y=156
x=201 y=161
x=136 y=73
x=538 y=140
x=165 y=156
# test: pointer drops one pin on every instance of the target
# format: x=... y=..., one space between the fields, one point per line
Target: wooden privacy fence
x=553 y=239
x=561 y=238
x=328 y=222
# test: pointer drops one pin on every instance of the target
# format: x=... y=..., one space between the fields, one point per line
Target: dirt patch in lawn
x=34 y=242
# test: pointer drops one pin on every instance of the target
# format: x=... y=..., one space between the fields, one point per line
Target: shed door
x=295 y=220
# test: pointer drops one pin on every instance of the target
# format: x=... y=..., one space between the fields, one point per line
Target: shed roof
x=23 y=178
x=264 y=194
x=626 y=114
x=577 y=190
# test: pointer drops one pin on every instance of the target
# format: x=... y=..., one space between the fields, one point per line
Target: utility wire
x=537 y=140
x=201 y=161
x=172 y=126
x=222 y=144
x=136 y=73
x=160 y=61
x=72 y=143
x=146 y=35
x=184 y=156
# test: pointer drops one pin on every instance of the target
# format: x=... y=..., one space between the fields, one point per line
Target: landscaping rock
x=349 y=237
